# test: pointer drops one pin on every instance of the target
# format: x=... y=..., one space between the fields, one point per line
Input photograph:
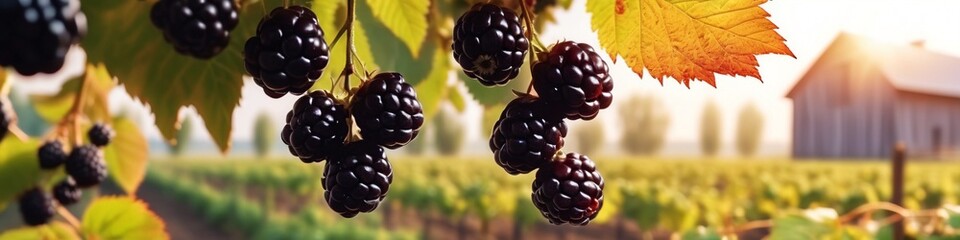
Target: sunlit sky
x=808 y=26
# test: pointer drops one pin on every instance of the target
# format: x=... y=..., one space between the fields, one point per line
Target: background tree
x=590 y=137
x=645 y=120
x=711 y=129
x=183 y=137
x=448 y=131
x=264 y=135
x=749 y=130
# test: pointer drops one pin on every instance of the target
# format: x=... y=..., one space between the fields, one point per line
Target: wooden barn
x=860 y=98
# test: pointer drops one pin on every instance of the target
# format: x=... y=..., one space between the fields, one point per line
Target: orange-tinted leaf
x=687 y=40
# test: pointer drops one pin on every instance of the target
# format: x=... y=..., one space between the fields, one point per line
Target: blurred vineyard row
x=644 y=198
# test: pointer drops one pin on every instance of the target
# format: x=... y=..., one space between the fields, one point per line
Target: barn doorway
x=937 y=141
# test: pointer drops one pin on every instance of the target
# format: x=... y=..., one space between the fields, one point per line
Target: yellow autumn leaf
x=687 y=39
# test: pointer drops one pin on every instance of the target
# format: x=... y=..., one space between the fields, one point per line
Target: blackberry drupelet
x=100 y=134
x=526 y=135
x=387 y=111
x=66 y=192
x=356 y=179
x=574 y=80
x=38 y=33
x=288 y=53
x=86 y=165
x=568 y=189
x=198 y=28
x=489 y=44
x=36 y=207
x=316 y=127
x=51 y=154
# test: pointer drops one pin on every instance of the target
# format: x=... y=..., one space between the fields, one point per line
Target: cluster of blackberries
x=199 y=28
x=572 y=82
x=85 y=168
x=38 y=33
x=357 y=176
x=288 y=53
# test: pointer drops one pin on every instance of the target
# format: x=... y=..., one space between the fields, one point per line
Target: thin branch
x=17 y=132
x=72 y=220
x=348 y=67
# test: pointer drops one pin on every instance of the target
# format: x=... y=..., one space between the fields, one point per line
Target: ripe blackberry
x=489 y=44
x=36 y=207
x=526 y=136
x=288 y=53
x=387 y=111
x=86 y=165
x=357 y=178
x=100 y=134
x=199 y=28
x=568 y=190
x=38 y=33
x=4 y=121
x=66 y=192
x=51 y=154
x=573 y=79
x=316 y=127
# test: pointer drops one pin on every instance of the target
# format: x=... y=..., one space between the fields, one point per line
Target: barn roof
x=908 y=68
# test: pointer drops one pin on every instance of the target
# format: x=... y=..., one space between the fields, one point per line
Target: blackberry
x=66 y=192
x=51 y=154
x=198 y=28
x=573 y=79
x=357 y=178
x=288 y=53
x=36 y=207
x=526 y=136
x=387 y=111
x=568 y=190
x=100 y=134
x=38 y=33
x=5 y=120
x=316 y=127
x=489 y=44
x=86 y=166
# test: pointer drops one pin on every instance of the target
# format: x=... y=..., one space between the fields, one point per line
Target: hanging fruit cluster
x=571 y=81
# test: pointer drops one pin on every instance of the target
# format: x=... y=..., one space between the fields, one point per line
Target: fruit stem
x=72 y=220
x=17 y=132
x=71 y=121
x=348 y=67
x=531 y=33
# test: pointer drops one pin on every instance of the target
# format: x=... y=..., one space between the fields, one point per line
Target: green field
x=438 y=198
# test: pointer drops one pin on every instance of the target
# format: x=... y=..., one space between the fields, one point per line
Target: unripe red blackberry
x=316 y=127
x=66 y=192
x=574 y=80
x=357 y=178
x=568 y=189
x=387 y=111
x=100 y=134
x=36 y=207
x=288 y=53
x=489 y=44
x=199 y=28
x=51 y=154
x=35 y=35
x=86 y=166
x=526 y=136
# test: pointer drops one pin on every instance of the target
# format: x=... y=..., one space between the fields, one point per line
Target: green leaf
x=126 y=156
x=19 y=167
x=121 y=218
x=122 y=37
x=52 y=108
x=53 y=230
x=456 y=98
x=799 y=227
x=701 y=234
x=432 y=90
x=391 y=54
x=405 y=19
